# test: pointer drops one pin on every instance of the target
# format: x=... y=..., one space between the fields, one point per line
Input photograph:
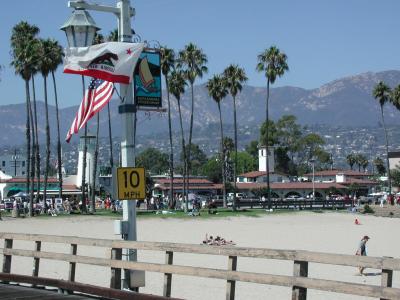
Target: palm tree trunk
x=83 y=185
x=387 y=152
x=28 y=144
x=59 y=150
x=222 y=156
x=46 y=173
x=266 y=148
x=37 y=150
x=32 y=173
x=184 y=156
x=96 y=154
x=235 y=165
x=171 y=203
x=110 y=137
x=188 y=162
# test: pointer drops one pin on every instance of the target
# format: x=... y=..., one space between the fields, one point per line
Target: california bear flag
x=113 y=61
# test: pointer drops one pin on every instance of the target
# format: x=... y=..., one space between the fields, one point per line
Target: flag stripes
x=96 y=97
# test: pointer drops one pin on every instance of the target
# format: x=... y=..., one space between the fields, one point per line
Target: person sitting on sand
x=217 y=241
x=362 y=251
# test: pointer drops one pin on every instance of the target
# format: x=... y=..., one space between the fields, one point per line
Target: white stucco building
x=91 y=144
x=262 y=158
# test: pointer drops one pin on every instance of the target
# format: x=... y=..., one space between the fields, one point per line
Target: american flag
x=97 y=95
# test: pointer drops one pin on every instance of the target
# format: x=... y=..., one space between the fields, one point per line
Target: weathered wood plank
x=72 y=266
x=300 y=268
x=115 y=281
x=169 y=258
x=36 y=260
x=319 y=284
x=231 y=284
x=386 y=279
x=301 y=255
x=8 y=243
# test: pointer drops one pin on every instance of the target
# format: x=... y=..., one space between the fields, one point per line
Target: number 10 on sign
x=131 y=183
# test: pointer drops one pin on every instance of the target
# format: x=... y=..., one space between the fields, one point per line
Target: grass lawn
x=220 y=213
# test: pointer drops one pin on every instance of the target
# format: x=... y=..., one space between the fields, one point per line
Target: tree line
x=32 y=56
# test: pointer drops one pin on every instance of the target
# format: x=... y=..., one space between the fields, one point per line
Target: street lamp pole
x=124 y=12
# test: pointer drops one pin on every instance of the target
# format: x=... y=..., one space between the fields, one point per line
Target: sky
x=324 y=40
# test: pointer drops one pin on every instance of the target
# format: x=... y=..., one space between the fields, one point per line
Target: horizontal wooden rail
x=79 y=287
x=299 y=255
x=280 y=280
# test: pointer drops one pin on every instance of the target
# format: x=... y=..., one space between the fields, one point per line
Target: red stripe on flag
x=101 y=75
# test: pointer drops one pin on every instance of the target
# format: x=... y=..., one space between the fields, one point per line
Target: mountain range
x=346 y=101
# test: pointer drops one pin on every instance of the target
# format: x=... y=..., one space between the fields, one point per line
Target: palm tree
x=32 y=114
x=382 y=93
x=24 y=53
x=351 y=160
x=98 y=38
x=217 y=90
x=192 y=61
x=228 y=145
x=113 y=36
x=177 y=88
x=234 y=77
x=273 y=63
x=45 y=64
x=167 y=65
x=36 y=149
x=56 y=60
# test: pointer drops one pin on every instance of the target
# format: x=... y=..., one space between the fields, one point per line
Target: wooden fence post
x=300 y=269
x=387 y=277
x=231 y=284
x=8 y=243
x=169 y=257
x=72 y=265
x=115 y=282
x=36 y=261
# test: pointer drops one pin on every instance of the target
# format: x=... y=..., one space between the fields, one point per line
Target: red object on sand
x=357 y=222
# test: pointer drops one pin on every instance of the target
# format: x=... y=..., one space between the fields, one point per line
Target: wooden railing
x=299 y=282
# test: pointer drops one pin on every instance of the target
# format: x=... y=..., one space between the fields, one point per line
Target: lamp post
x=124 y=12
x=80 y=29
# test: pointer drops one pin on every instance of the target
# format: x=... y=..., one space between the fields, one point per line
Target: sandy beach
x=325 y=232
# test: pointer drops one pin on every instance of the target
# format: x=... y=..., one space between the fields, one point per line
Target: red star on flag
x=129 y=52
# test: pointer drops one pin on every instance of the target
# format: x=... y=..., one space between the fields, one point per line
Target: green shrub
x=368 y=209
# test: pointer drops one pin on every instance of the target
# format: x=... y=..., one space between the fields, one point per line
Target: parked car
x=293 y=198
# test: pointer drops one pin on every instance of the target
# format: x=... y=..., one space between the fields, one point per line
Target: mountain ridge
x=345 y=101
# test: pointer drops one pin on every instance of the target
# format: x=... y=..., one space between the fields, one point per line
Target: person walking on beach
x=362 y=251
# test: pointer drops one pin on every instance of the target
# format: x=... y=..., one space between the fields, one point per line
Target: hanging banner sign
x=147 y=79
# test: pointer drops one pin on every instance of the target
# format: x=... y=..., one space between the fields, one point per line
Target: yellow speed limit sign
x=131 y=183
